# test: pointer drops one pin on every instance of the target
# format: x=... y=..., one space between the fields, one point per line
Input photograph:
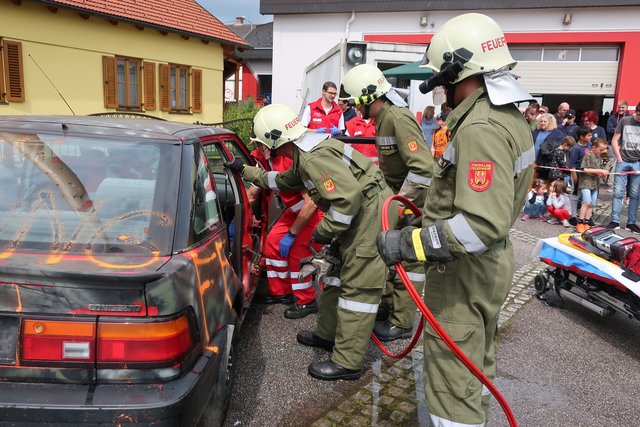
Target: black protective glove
x=235 y=165
x=319 y=238
x=398 y=245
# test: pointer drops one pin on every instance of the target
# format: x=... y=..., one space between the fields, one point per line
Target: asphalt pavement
x=556 y=367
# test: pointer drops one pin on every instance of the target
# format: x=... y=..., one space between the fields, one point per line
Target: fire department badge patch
x=480 y=175
x=329 y=186
x=413 y=146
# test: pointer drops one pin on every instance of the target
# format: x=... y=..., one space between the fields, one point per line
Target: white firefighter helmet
x=363 y=84
x=276 y=125
x=474 y=42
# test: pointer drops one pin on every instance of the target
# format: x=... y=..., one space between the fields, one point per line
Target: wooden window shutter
x=165 y=104
x=14 y=76
x=149 y=72
x=2 y=92
x=197 y=90
x=109 y=75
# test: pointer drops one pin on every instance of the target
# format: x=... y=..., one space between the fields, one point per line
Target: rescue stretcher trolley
x=599 y=270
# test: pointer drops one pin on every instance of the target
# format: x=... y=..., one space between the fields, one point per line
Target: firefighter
x=351 y=191
x=478 y=190
x=286 y=243
x=407 y=165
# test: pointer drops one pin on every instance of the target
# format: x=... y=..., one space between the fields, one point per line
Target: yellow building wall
x=69 y=51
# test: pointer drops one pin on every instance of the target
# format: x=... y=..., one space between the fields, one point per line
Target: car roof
x=110 y=126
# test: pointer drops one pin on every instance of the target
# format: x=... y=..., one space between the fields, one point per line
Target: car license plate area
x=8 y=339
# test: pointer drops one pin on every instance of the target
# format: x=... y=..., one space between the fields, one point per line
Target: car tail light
x=159 y=343
x=58 y=341
x=111 y=343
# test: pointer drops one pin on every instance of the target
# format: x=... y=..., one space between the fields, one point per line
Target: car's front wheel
x=216 y=408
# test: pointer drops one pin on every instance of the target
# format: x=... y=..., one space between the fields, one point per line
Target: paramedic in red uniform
x=364 y=128
x=287 y=241
x=324 y=115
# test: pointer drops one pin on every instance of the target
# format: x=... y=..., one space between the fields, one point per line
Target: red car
x=121 y=288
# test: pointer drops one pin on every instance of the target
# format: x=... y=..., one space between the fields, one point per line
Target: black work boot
x=310 y=339
x=387 y=331
x=298 y=311
x=278 y=299
x=332 y=371
x=382 y=314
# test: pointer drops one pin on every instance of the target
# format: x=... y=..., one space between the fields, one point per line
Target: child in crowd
x=536 y=203
x=558 y=203
x=576 y=155
x=440 y=136
x=559 y=160
x=578 y=151
x=592 y=168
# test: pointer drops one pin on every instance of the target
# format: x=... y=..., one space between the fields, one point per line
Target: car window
x=224 y=186
x=205 y=215
x=76 y=194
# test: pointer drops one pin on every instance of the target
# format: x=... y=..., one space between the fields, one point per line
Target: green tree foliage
x=238 y=117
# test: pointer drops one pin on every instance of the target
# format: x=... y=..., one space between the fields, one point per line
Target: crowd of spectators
x=577 y=157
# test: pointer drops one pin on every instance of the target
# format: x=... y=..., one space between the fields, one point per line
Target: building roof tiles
x=182 y=16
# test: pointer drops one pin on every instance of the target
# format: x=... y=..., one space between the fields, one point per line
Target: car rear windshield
x=73 y=194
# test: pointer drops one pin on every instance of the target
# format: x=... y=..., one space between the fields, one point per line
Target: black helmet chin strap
x=365 y=115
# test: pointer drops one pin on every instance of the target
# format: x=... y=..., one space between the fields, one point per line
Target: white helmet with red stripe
x=474 y=41
x=276 y=125
x=468 y=45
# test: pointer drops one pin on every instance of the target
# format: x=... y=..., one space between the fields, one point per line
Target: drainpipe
x=348 y=26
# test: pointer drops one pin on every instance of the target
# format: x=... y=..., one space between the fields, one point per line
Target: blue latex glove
x=321 y=130
x=285 y=244
x=335 y=131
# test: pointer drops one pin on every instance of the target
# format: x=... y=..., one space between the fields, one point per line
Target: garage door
x=571 y=70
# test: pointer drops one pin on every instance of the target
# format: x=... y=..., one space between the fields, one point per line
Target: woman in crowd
x=549 y=135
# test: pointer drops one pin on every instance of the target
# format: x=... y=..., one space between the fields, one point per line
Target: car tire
x=217 y=407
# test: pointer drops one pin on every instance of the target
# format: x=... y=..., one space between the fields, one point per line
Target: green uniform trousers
x=395 y=298
x=350 y=299
x=453 y=392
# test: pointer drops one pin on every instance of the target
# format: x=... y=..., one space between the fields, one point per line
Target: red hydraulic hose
x=426 y=313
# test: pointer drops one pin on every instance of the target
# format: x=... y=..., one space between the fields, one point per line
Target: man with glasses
x=324 y=115
x=626 y=149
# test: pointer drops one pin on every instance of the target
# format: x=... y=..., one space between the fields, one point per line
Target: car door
x=246 y=222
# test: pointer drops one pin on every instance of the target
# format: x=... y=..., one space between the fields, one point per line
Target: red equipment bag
x=631 y=260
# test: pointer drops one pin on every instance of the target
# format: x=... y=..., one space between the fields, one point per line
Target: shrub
x=233 y=111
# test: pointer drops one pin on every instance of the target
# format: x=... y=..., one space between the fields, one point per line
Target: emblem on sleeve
x=413 y=146
x=480 y=175
x=329 y=186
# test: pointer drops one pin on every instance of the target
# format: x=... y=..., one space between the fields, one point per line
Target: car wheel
x=216 y=408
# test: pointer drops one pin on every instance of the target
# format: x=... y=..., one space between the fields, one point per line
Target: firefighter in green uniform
x=407 y=165
x=351 y=190
x=478 y=189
